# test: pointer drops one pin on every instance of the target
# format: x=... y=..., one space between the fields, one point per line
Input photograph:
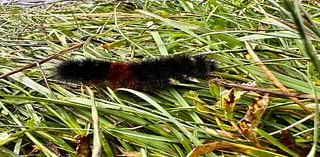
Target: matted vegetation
x=265 y=49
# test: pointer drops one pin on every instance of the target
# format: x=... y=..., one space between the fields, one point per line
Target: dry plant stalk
x=273 y=78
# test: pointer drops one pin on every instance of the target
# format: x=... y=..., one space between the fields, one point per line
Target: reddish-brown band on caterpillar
x=153 y=73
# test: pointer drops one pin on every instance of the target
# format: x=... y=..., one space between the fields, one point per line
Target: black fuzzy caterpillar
x=153 y=73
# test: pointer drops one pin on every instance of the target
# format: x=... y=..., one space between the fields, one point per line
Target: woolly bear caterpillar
x=153 y=73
